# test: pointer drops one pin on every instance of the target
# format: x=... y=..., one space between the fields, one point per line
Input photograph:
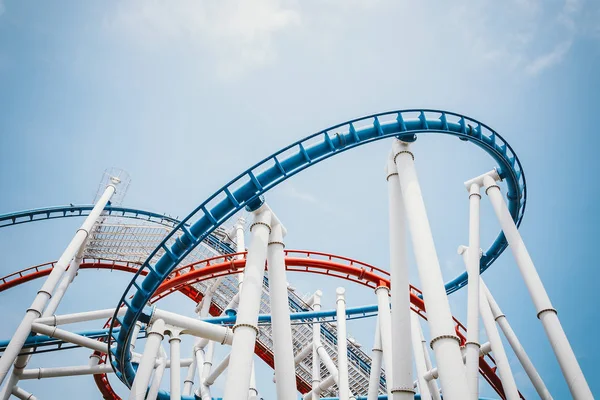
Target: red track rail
x=182 y=278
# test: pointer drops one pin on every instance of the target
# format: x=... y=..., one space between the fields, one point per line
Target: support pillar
x=419 y=358
x=445 y=343
x=146 y=365
x=472 y=345
x=400 y=290
x=175 y=373
x=506 y=376
x=188 y=383
x=385 y=329
x=316 y=361
x=285 y=371
x=45 y=293
x=569 y=365
x=515 y=344
x=375 y=373
x=245 y=329
x=342 y=345
x=158 y=374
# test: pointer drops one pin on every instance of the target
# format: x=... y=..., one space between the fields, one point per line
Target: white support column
x=506 y=376
x=188 y=383
x=401 y=345
x=146 y=365
x=316 y=361
x=569 y=365
x=342 y=345
x=434 y=390
x=210 y=379
x=253 y=391
x=445 y=343
x=175 y=373
x=419 y=358
x=203 y=390
x=518 y=349
x=45 y=293
x=158 y=374
x=385 y=330
x=283 y=350
x=245 y=329
x=375 y=373
x=240 y=246
x=472 y=345
x=22 y=394
x=432 y=386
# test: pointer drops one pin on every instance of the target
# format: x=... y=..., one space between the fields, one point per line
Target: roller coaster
x=242 y=300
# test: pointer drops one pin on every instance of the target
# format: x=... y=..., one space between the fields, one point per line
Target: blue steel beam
x=248 y=188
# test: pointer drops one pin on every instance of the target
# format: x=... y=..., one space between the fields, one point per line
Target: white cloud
x=239 y=35
x=548 y=60
x=512 y=36
x=2 y=7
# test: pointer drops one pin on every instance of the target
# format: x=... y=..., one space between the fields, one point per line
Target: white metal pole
x=472 y=345
x=285 y=371
x=253 y=391
x=342 y=345
x=69 y=337
x=146 y=365
x=245 y=329
x=445 y=343
x=324 y=385
x=316 y=362
x=434 y=390
x=240 y=246
x=400 y=290
x=375 y=373
x=203 y=390
x=385 y=330
x=188 y=383
x=210 y=379
x=506 y=376
x=432 y=386
x=194 y=327
x=45 y=293
x=419 y=358
x=302 y=354
x=175 y=373
x=158 y=374
x=514 y=342
x=569 y=365
x=85 y=316
x=22 y=394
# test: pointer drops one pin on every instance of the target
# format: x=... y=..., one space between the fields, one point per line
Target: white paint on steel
x=445 y=346
x=402 y=366
x=146 y=365
x=45 y=293
x=238 y=379
x=515 y=344
x=281 y=327
x=376 y=358
x=569 y=365
x=342 y=345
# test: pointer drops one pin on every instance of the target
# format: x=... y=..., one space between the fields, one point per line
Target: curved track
x=182 y=278
x=41 y=214
x=246 y=190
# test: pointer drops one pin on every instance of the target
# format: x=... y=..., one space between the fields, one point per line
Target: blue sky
x=186 y=95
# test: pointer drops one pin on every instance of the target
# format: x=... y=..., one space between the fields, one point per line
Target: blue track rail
x=248 y=188
x=41 y=214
